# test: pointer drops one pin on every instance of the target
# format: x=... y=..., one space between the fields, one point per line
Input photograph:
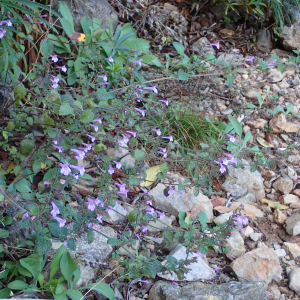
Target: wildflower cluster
x=55 y=80
x=7 y=23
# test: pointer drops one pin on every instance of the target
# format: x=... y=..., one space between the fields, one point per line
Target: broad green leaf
x=87 y=116
x=23 y=186
x=289 y=108
x=86 y=23
x=7 y=220
x=55 y=264
x=59 y=289
x=251 y=105
x=139 y=154
x=74 y=294
x=114 y=242
x=164 y=168
x=4 y=293
x=27 y=146
x=236 y=125
x=179 y=48
x=4 y=273
x=229 y=81
x=34 y=264
x=20 y=91
x=182 y=75
x=23 y=271
x=259 y=99
x=65 y=11
x=102 y=288
x=90 y=236
x=65 y=109
x=67 y=267
x=133 y=180
x=132 y=216
x=17 y=285
x=153 y=60
x=202 y=217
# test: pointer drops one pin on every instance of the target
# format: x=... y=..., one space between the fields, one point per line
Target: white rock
x=292 y=249
x=294 y=280
x=280 y=253
x=198 y=270
x=248 y=231
x=223 y=218
x=293 y=224
x=256 y=236
x=235 y=245
x=159 y=225
x=116 y=215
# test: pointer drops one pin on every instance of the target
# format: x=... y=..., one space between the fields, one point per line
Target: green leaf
x=282 y=68
x=251 y=105
x=132 y=216
x=229 y=81
x=43 y=245
x=65 y=11
x=114 y=242
x=133 y=180
x=87 y=116
x=90 y=236
x=59 y=289
x=34 y=264
x=4 y=293
x=71 y=244
x=139 y=154
x=23 y=186
x=23 y=271
x=27 y=146
x=86 y=23
x=179 y=48
x=20 y=91
x=68 y=267
x=56 y=261
x=4 y=273
x=169 y=236
x=236 y=125
x=202 y=217
x=66 y=109
x=289 y=108
x=50 y=175
x=182 y=75
x=102 y=288
x=17 y=285
x=74 y=294
x=7 y=220
x=164 y=168
x=152 y=60
x=247 y=138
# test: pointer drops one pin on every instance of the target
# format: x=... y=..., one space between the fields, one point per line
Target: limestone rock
x=261 y=264
x=247 y=199
x=279 y=217
x=235 y=245
x=289 y=37
x=116 y=215
x=159 y=225
x=242 y=181
x=275 y=75
x=223 y=218
x=264 y=40
x=292 y=249
x=284 y=185
x=289 y=198
x=231 y=58
x=293 y=224
x=202 y=46
x=294 y=280
x=199 y=291
x=196 y=270
x=177 y=202
x=257 y=124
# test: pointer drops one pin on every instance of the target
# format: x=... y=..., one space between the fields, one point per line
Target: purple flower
x=96 y=226
x=54 y=57
x=63 y=68
x=151 y=88
x=271 y=64
x=161 y=215
x=55 y=211
x=47 y=182
x=54 y=81
x=25 y=216
x=199 y=254
x=144 y=229
x=149 y=202
x=91 y=137
x=109 y=209
x=217 y=270
x=217 y=45
x=157 y=131
x=87 y=148
x=97 y=120
x=62 y=222
x=104 y=77
x=2 y=32
x=44 y=16
x=80 y=154
x=133 y=133
x=139 y=62
x=27 y=17
x=118 y=164
x=170 y=138
x=164 y=154
x=96 y=128
x=81 y=169
x=145 y=191
x=171 y=190
x=250 y=59
x=144 y=281
x=75 y=176
x=99 y=218
x=122 y=189
x=111 y=170
x=166 y=102
x=59 y=148
x=164 y=150
x=150 y=211
x=222 y=167
x=92 y=203
x=241 y=220
x=65 y=169
x=138 y=236
x=175 y=283
x=141 y=111
x=62 y=181
x=110 y=59
x=231 y=137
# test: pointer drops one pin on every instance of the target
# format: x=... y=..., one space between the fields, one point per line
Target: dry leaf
x=151 y=176
x=264 y=143
x=77 y=36
x=274 y=204
x=225 y=209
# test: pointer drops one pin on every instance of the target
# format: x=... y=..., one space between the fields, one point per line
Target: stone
x=267 y=173
x=260 y=264
x=223 y=218
x=202 y=46
x=292 y=224
x=256 y=236
x=92 y=8
x=292 y=249
x=251 y=94
x=89 y=257
x=291 y=127
x=278 y=123
x=128 y=161
x=257 y=124
x=248 y=231
x=289 y=37
x=252 y=212
x=273 y=291
x=235 y=245
x=264 y=40
x=218 y=201
x=247 y=199
x=159 y=225
x=284 y=185
x=275 y=75
x=242 y=181
x=199 y=291
x=177 y=202
x=117 y=153
x=289 y=198
x=231 y=58
x=280 y=52
x=294 y=280
x=130 y=250
x=280 y=253
x=279 y=217
x=293 y=159
x=197 y=270
x=116 y=215
x=168 y=6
